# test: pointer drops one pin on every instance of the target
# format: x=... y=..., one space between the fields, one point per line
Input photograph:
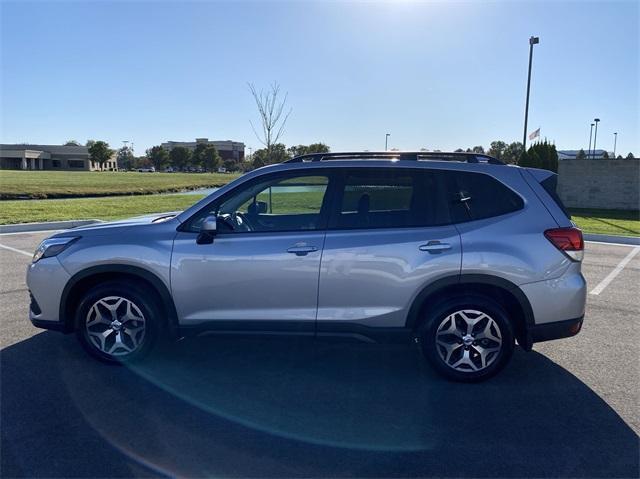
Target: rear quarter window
x=550 y=185
x=476 y=196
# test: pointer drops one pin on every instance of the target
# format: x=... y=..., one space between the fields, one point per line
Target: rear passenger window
x=390 y=198
x=550 y=185
x=476 y=196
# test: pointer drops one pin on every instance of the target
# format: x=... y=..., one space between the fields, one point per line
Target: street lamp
x=532 y=41
x=615 y=141
x=595 y=136
x=590 y=136
x=386 y=140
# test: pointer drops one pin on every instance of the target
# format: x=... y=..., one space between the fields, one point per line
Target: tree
x=231 y=165
x=318 y=148
x=271 y=109
x=541 y=155
x=512 y=153
x=158 y=157
x=180 y=157
x=459 y=150
x=297 y=150
x=142 y=162
x=630 y=156
x=210 y=158
x=605 y=155
x=197 y=156
x=478 y=149
x=278 y=154
x=308 y=149
x=99 y=152
x=125 y=158
x=71 y=143
x=497 y=149
x=581 y=155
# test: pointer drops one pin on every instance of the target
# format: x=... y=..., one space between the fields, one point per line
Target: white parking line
x=616 y=271
x=594 y=242
x=26 y=253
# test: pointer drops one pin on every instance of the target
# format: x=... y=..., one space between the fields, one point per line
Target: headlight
x=53 y=246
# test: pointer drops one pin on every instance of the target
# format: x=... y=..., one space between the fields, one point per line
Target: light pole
x=615 y=141
x=386 y=140
x=532 y=41
x=595 y=136
x=590 y=136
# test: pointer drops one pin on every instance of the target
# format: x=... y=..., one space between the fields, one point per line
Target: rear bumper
x=554 y=330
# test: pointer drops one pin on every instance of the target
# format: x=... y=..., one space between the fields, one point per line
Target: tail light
x=567 y=240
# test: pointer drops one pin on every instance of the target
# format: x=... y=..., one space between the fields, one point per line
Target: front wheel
x=468 y=339
x=116 y=323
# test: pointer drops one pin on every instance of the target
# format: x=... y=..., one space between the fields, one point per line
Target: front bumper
x=46 y=280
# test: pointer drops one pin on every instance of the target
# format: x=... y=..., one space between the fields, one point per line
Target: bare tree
x=271 y=107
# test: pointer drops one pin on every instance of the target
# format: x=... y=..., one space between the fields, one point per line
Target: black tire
x=142 y=299
x=495 y=360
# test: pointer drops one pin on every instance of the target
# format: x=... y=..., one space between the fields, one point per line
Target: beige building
x=50 y=157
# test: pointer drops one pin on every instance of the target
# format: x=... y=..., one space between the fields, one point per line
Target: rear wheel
x=116 y=322
x=468 y=338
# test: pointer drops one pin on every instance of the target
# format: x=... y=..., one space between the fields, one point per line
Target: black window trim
x=325 y=208
x=336 y=178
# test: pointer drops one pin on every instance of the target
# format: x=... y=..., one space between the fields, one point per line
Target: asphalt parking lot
x=298 y=407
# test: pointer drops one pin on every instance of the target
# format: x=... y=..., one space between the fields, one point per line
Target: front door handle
x=435 y=246
x=302 y=250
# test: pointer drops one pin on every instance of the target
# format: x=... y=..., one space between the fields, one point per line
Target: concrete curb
x=626 y=240
x=51 y=225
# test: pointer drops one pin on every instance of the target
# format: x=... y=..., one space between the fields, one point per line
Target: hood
x=115 y=227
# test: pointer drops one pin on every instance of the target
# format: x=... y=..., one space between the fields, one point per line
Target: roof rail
x=398 y=155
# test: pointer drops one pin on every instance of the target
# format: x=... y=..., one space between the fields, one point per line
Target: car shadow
x=229 y=406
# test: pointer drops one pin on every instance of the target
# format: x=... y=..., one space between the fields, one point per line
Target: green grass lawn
x=65 y=184
x=609 y=222
x=107 y=208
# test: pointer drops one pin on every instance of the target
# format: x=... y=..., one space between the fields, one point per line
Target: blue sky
x=434 y=75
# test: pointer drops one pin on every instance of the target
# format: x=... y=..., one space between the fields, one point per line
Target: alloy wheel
x=115 y=326
x=468 y=340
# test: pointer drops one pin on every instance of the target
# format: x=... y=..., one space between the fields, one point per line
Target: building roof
x=572 y=154
x=55 y=149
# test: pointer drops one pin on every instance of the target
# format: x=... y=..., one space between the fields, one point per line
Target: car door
x=263 y=264
x=389 y=236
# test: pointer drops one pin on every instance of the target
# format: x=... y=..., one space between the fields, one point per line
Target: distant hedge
x=541 y=155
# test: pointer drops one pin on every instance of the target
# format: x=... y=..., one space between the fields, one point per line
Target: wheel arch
x=506 y=292
x=87 y=278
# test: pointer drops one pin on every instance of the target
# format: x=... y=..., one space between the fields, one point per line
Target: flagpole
x=532 y=42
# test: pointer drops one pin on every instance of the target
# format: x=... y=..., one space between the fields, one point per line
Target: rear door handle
x=435 y=246
x=302 y=250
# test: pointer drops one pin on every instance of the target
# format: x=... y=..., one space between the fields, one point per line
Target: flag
x=535 y=134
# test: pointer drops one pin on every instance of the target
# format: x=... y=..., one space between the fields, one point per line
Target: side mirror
x=262 y=207
x=208 y=230
x=257 y=208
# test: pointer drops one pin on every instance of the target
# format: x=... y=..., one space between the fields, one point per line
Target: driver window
x=278 y=204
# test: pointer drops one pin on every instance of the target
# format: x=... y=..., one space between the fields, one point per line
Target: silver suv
x=456 y=251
